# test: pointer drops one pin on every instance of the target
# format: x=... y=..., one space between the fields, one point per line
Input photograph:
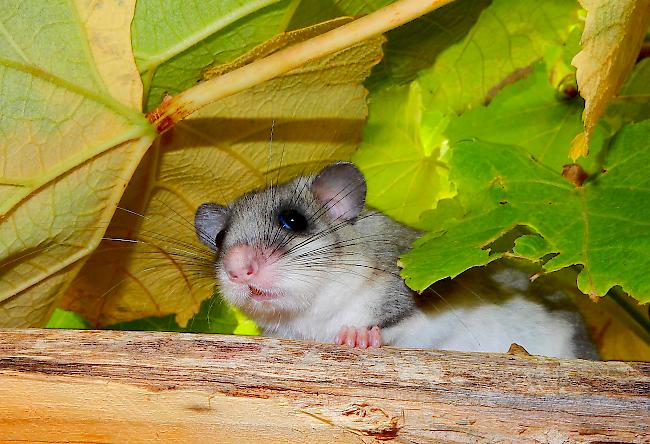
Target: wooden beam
x=113 y=386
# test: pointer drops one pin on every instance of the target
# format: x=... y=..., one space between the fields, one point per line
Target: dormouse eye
x=218 y=239
x=292 y=220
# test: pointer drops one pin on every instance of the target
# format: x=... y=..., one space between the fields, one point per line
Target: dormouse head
x=278 y=247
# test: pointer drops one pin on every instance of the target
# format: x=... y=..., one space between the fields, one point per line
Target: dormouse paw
x=361 y=337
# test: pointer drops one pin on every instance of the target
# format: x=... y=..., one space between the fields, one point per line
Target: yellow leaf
x=579 y=146
x=315 y=114
x=613 y=331
x=108 y=32
x=71 y=139
x=613 y=34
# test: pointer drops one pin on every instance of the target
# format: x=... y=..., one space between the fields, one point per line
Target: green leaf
x=309 y=13
x=410 y=47
x=416 y=45
x=533 y=114
x=173 y=41
x=633 y=101
x=509 y=35
x=558 y=60
x=407 y=134
x=215 y=316
x=66 y=319
x=400 y=155
x=602 y=226
x=531 y=246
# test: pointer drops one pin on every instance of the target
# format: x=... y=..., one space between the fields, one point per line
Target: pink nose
x=241 y=263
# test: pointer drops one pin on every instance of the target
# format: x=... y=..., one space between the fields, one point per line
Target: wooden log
x=113 y=386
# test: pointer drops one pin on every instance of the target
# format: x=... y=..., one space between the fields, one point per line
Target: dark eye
x=218 y=240
x=292 y=220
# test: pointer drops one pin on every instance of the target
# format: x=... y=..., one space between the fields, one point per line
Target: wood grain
x=113 y=386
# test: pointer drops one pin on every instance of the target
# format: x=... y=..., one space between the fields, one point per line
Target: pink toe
x=375 y=337
x=362 y=338
x=341 y=336
x=352 y=337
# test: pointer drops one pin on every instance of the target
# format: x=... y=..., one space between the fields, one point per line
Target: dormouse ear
x=209 y=220
x=341 y=188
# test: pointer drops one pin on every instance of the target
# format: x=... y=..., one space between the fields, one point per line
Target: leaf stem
x=259 y=71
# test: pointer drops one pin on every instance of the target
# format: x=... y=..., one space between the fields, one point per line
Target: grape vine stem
x=184 y=104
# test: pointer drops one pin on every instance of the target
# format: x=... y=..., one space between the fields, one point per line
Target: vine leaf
x=174 y=40
x=613 y=34
x=507 y=37
x=72 y=134
x=400 y=155
x=632 y=104
x=294 y=124
x=215 y=316
x=532 y=114
x=411 y=127
x=410 y=47
x=602 y=225
x=403 y=152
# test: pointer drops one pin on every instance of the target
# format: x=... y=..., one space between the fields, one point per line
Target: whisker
x=454 y=314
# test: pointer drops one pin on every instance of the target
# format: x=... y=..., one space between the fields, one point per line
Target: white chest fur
x=452 y=324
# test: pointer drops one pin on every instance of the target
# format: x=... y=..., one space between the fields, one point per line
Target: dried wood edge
x=113 y=386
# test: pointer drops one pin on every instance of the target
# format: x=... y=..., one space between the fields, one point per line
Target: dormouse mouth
x=260 y=295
